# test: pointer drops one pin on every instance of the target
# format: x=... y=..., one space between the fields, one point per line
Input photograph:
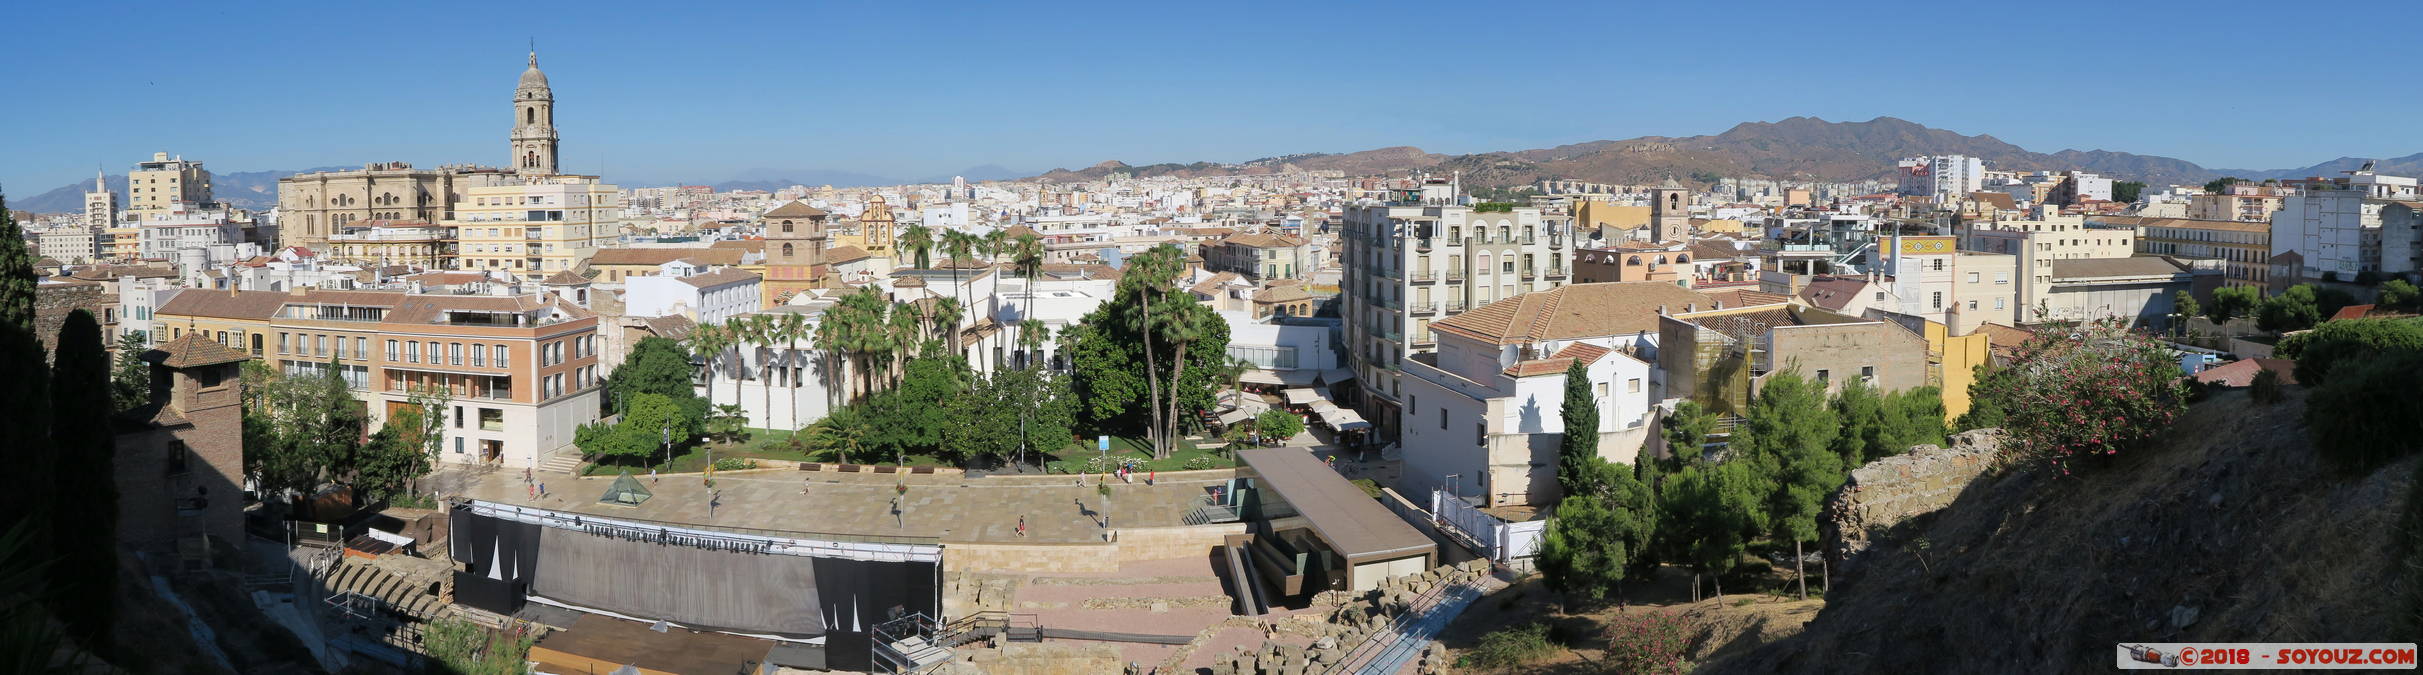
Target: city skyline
x=906 y=95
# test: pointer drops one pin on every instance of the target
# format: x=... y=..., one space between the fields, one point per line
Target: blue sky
x=657 y=93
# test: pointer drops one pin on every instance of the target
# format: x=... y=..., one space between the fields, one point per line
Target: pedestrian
x=1148 y=477
x=1021 y=525
x=804 y=483
x=651 y=475
x=533 y=488
x=542 y=489
x=526 y=474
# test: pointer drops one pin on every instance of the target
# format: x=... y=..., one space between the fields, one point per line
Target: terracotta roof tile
x=192 y=351
x=795 y=209
x=658 y=256
x=1576 y=311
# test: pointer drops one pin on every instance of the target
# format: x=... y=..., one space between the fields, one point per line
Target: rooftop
x=1575 y=311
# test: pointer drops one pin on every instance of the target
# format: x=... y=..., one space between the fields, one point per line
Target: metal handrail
x=1381 y=640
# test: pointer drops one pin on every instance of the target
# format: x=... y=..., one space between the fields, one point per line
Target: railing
x=1556 y=241
x=1425 y=277
x=1556 y=273
x=1454 y=276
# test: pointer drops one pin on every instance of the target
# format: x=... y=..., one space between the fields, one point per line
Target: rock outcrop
x=1892 y=490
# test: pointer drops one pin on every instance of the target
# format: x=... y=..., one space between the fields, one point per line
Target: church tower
x=533 y=123
x=1669 y=212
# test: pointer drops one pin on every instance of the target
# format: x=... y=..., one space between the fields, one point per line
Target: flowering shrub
x=2080 y=391
x=1648 y=642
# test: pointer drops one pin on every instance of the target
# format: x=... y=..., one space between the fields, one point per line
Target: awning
x=1299 y=378
x=1231 y=418
x=1342 y=419
x=1320 y=404
x=1303 y=396
x=1253 y=404
x=1261 y=377
x=1337 y=375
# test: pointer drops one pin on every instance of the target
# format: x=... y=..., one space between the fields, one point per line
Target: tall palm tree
x=1182 y=326
x=792 y=328
x=918 y=240
x=994 y=243
x=957 y=246
x=905 y=329
x=706 y=342
x=870 y=338
x=1234 y=370
x=764 y=330
x=946 y=316
x=740 y=335
x=1026 y=253
x=1150 y=272
x=833 y=340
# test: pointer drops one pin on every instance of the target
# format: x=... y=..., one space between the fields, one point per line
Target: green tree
x=1013 y=410
x=2126 y=191
x=841 y=435
x=911 y=417
x=1912 y=417
x=1707 y=514
x=2230 y=302
x=24 y=386
x=2367 y=415
x=1789 y=438
x=2185 y=304
x=1026 y=255
x=1577 y=449
x=1862 y=414
x=656 y=366
x=728 y=423
x=1600 y=533
x=2294 y=309
x=2399 y=295
x=1984 y=411
x=1687 y=430
x=918 y=240
x=649 y=422
x=1789 y=415
x=391 y=459
x=1121 y=377
x=86 y=491
x=2337 y=344
x=130 y=378
x=310 y=432
x=1278 y=424
x=2221 y=185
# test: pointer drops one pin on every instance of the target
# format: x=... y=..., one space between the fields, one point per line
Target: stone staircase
x=561 y=462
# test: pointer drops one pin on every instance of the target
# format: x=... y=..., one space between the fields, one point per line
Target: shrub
x=1370 y=487
x=1511 y=648
x=2266 y=387
x=1648 y=642
x=2368 y=415
x=733 y=464
x=2350 y=341
x=2087 y=390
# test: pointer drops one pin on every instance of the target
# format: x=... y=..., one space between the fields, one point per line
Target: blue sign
x=1103 y=442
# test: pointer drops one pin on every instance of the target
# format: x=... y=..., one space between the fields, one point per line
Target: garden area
x=1089 y=458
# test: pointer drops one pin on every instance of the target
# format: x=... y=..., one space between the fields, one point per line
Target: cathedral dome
x=531 y=77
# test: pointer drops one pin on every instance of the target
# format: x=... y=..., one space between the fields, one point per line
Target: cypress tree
x=24 y=388
x=1580 y=446
x=86 y=501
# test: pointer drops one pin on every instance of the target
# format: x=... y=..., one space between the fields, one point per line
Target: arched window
x=530 y=115
x=1635 y=261
x=1684 y=258
x=786 y=227
x=786 y=249
x=1505 y=234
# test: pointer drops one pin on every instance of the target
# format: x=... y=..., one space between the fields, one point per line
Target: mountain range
x=1798 y=148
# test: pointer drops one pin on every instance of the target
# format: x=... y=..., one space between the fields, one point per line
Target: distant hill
x=1798 y=148
x=257 y=190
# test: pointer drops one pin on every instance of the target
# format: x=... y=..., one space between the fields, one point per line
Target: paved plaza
x=948 y=507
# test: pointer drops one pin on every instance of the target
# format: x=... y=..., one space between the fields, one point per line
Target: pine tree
x=87 y=492
x=130 y=379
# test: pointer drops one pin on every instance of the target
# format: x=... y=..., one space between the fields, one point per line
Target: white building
x=1420 y=258
x=690 y=289
x=1942 y=176
x=1483 y=414
x=2037 y=243
x=138 y=299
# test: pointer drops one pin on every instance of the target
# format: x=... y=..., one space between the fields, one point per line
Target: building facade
x=795 y=250
x=314 y=208
x=1420 y=258
x=2243 y=247
x=417 y=243
x=162 y=183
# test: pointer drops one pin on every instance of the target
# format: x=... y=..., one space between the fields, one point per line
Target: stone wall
x=1889 y=491
x=1134 y=544
x=54 y=301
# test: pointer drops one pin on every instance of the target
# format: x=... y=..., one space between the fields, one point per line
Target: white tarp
x=1231 y=418
x=1261 y=377
x=1342 y=419
x=1303 y=396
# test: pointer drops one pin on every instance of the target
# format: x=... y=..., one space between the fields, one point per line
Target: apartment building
x=1930 y=277
x=540 y=224
x=2244 y=203
x=693 y=290
x=2037 y=243
x=2243 y=247
x=1718 y=356
x=1260 y=256
x=164 y=182
x=522 y=371
x=418 y=243
x=1419 y=258
x=1943 y=177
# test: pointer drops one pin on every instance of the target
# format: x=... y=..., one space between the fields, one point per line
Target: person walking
x=1022 y=526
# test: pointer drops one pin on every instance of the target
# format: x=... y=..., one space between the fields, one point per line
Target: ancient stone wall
x=1889 y=491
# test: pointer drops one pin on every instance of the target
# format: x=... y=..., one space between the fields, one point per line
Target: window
x=2002 y=277
x=504 y=356
x=458 y=440
x=1867 y=373
x=319 y=345
x=1633 y=385
x=282 y=343
x=458 y=417
x=1937 y=299
x=1880 y=296
x=1938 y=265
x=492 y=419
x=1972 y=304
x=433 y=360
x=412 y=351
x=1442 y=419
x=361 y=348
x=1998 y=303
x=454 y=353
x=479 y=356
x=1824 y=376
x=175 y=454
x=1972 y=277
x=391 y=344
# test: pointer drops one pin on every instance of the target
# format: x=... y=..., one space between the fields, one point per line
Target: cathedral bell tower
x=533 y=123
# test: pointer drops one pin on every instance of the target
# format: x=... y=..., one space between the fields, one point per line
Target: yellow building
x=1954 y=360
x=540 y=225
x=1590 y=215
x=393 y=242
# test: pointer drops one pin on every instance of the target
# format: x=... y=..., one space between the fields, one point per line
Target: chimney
x=1661 y=310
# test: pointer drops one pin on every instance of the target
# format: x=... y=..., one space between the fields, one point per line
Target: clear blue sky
x=662 y=92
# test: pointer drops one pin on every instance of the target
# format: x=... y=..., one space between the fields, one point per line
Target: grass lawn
x=1080 y=457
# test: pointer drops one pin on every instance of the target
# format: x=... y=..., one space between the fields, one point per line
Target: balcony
x=1557 y=273
x=1425 y=277
x=1528 y=239
x=1455 y=276
x=1422 y=245
x=1429 y=308
x=1555 y=241
x=1453 y=305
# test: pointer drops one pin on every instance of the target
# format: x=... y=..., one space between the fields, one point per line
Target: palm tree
x=842 y=434
x=1234 y=370
x=706 y=343
x=1026 y=253
x=1150 y=271
x=739 y=335
x=1183 y=325
x=904 y=327
x=793 y=327
x=918 y=240
x=764 y=330
x=994 y=243
x=946 y=316
x=870 y=339
x=957 y=246
x=833 y=339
